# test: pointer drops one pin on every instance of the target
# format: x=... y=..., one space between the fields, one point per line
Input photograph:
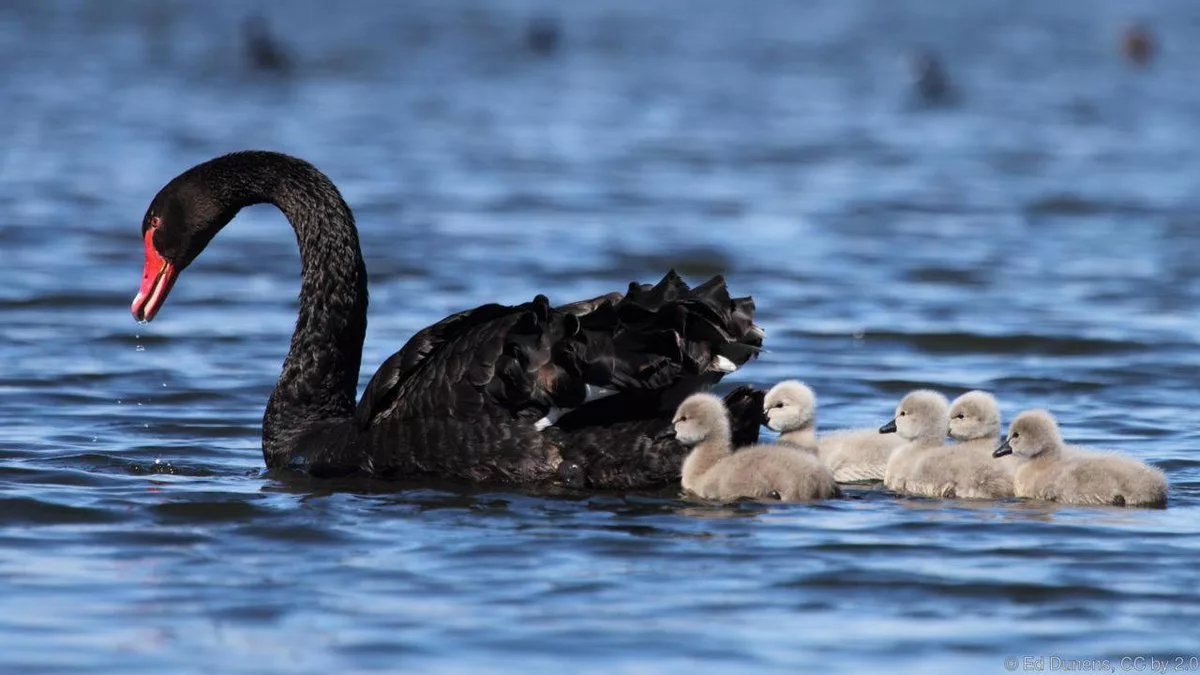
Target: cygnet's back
x=712 y=471
x=769 y=472
x=1049 y=470
x=922 y=420
x=967 y=470
x=857 y=455
x=852 y=455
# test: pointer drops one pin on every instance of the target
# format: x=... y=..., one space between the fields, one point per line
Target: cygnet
x=852 y=455
x=966 y=469
x=713 y=471
x=1048 y=469
x=922 y=420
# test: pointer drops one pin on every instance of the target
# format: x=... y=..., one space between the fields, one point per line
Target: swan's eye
x=155 y=223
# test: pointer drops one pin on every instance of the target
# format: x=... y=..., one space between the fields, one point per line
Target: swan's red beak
x=157 y=278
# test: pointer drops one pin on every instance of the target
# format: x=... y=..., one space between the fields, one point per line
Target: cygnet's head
x=699 y=418
x=975 y=414
x=1032 y=433
x=789 y=406
x=921 y=414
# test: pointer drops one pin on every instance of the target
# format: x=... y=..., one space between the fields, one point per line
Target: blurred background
x=937 y=194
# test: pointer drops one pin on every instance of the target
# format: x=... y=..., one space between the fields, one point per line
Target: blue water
x=1038 y=238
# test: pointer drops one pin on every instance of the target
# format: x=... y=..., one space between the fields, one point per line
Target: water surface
x=1038 y=239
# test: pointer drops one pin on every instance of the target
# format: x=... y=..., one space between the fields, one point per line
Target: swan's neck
x=320 y=373
x=704 y=456
x=804 y=438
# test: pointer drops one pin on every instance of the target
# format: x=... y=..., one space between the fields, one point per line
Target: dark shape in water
x=1138 y=44
x=467 y=397
x=543 y=35
x=264 y=53
x=930 y=81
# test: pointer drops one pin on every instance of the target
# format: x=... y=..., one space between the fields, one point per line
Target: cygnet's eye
x=1014 y=435
x=682 y=419
x=779 y=405
x=960 y=416
x=902 y=413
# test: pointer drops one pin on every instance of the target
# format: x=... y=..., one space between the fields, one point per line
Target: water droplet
x=141 y=348
x=164 y=384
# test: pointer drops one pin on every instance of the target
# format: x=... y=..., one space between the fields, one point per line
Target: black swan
x=577 y=394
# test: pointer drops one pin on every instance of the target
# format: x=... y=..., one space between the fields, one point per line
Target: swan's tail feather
x=665 y=341
x=699 y=330
x=584 y=307
x=662 y=342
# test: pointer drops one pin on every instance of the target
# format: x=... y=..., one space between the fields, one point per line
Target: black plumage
x=463 y=398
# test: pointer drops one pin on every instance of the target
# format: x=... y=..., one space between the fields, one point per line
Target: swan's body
x=853 y=455
x=966 y=469
x=463 y=398
x=713 y=471
x=922 y=420
x=1051 y=471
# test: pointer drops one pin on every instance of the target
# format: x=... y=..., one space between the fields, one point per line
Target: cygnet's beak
x=1004 y=449
x=765 y=420
x=666 y=434
x=889 y=428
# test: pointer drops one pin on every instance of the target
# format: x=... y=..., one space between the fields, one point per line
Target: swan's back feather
x=399 y=366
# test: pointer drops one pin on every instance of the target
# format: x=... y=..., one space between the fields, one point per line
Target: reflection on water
x=1037 y=238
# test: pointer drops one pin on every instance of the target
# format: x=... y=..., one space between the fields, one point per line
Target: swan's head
x=184 y=216
x=921 y=414
x=1032 y=433
x=700 y=417
x=790 y=405
x=973 y=415
x=190 y=210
